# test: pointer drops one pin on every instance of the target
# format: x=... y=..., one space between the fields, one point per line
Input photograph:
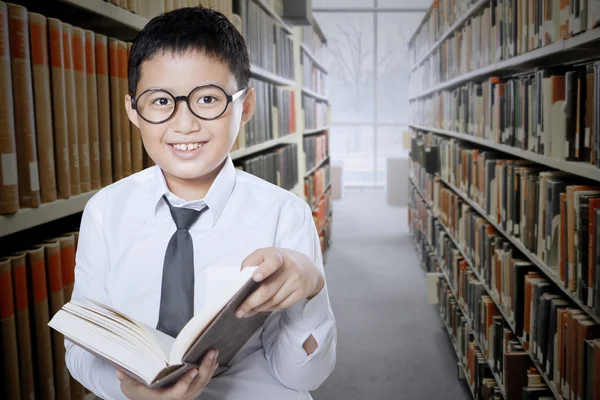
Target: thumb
x=256 y=258
x=181 y=387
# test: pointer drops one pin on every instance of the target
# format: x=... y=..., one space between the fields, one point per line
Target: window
x=367 y=82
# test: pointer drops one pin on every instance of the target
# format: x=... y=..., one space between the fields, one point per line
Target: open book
x=152 y=357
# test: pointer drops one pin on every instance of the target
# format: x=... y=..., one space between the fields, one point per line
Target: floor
x=390 y=343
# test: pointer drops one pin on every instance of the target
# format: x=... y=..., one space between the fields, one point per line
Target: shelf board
x=265 y=6
x=560 y=52
x=308 y=132
x=310 y=55
x=270 y=77
x=421 y=194
x=549 y=383
x=109 y=11
x=314 y=94
x=29 y=217
x=549 y=273
x=313 y=169
x=474 y=8
x=582 y=169
x=287 y=139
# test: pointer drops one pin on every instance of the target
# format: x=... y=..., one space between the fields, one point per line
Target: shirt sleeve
x=94 y=373
x=286 y=331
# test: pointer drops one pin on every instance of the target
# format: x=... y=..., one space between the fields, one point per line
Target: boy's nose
x=183 y=119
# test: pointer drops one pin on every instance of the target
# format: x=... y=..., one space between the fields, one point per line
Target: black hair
x=190 y=28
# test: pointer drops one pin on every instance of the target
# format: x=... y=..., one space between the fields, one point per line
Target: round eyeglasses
x=206 y=102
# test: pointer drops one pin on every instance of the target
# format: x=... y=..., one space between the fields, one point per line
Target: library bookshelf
x=122 y=20
x=505 y=188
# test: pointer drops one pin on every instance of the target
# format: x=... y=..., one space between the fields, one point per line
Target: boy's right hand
x=189 y=387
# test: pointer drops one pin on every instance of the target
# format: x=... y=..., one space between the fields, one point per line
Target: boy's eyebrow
x=173 y=91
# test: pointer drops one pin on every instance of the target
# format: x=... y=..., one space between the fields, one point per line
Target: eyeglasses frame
x=230 y=99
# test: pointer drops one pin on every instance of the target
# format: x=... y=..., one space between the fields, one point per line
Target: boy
x=151 y=245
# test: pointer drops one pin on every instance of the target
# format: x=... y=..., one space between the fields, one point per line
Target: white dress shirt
x=123 y=236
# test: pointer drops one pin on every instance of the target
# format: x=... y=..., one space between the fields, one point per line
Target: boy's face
x=210 y=141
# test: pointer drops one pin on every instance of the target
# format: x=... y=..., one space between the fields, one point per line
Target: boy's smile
x=189 y=150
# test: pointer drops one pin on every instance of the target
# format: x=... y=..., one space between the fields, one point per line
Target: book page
x=202 y=319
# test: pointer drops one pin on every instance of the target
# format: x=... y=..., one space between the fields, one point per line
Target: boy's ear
x=131 y=113
x=249 y=105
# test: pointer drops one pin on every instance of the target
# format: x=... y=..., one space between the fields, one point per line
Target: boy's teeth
x=187 y=147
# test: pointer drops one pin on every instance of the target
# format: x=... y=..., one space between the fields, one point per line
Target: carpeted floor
x=390 y=343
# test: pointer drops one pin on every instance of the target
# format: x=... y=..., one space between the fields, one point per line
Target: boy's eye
x=162 y=101
x=207 y=100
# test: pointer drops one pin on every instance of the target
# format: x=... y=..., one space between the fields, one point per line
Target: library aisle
x=390 y=343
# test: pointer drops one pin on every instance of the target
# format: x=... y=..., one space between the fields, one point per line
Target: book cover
x=71 y=106
x=9 y=192
x=56 y=299
x=116 y=108
x=92 y=104
x=21 y=302
x=39 y=310
x=8 y=333
x=83 y=138
x=104 y=107
x=59 y=108
x=42 y=107
x=20 y=53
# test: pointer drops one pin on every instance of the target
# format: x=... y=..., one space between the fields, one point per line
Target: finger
x=125 y=379
x=181 y=387
x=255 y=258
x=272 y=261
x=206 y=369
x=288 y=301
x=265 y=292
x=279 y=296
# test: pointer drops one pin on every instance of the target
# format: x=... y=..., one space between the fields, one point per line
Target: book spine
x=55 y=293
x=71 y=109
x=8 y=340
x=9 y=191
x=137 y=147
x=43 y=107
x=29 y=182
x=92 y=104
x=115 y=109
x=104 y=115
x=36 y=279
x=59 y=110
x=21 y=296
x=83 y=139
x=124 y=119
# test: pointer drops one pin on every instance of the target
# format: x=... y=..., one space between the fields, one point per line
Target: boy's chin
x=190 y=172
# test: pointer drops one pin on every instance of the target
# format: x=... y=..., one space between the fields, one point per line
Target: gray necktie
x=177 y=291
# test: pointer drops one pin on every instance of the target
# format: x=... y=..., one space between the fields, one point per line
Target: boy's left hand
x=287 y=277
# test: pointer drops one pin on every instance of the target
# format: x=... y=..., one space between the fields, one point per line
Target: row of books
x=278 y=166
x=315 y=112
x=269 y=46
x=314 y=77
x=71 y=134
x=553 y=214
x=503 y=29
x=474 y=251
x=442 y=15
x=274 y=115
x=316 y=185
x=420 y=220
x=150 y=9
x=552 y=112
x=312 y=41
x=323 y=217
x=316 y=149
x=520 y=379
x=34 y=285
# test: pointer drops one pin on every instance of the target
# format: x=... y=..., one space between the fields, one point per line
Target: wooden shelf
x=474 y=8
x=560 y=52
x=577 y=168
x=111 y=12
x=29 y=217
x=308 y=132
x=314 y=94
x=421 y=194
x=310 y=55
x=270 y=77
x=287 y=139
x=265 y=6
x=532 y=257
x=313 y=169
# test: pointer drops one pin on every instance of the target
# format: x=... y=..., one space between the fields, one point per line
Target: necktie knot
x=184 y=218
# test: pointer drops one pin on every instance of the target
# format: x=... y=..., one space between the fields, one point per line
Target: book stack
x=316 y=149
x=278 y=166
x=35 y=282
x=315 y=112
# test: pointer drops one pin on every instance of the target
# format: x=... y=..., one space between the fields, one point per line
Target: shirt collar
x=216 y=197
